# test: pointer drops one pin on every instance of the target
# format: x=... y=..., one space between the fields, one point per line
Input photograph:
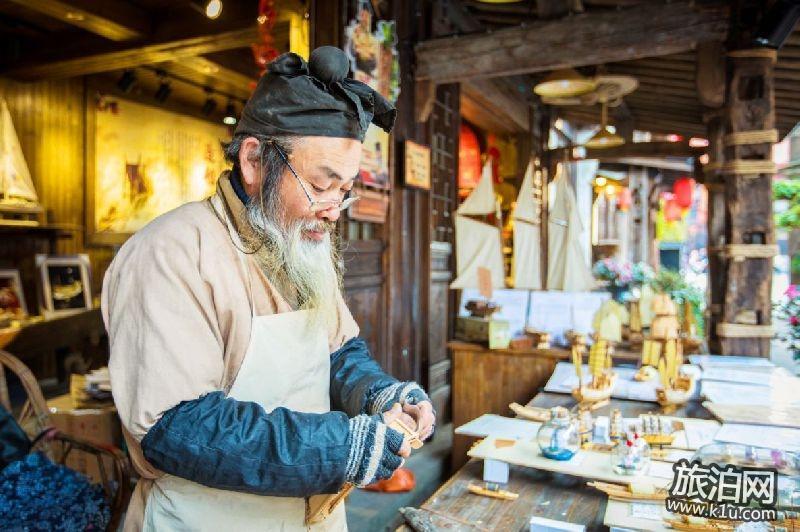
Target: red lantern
x=624 y=199
x=684 y=192
x=469 y=160
x=494 y=157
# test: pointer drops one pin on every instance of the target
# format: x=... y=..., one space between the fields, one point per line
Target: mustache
x=319 y=226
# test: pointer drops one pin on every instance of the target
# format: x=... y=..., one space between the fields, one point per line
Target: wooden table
x=553 y=496
x=485 y=381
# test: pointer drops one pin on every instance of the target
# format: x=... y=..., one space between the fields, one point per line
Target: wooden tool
x=620 y=492
x=496 y=493
x=530 y=412
x=410 y=434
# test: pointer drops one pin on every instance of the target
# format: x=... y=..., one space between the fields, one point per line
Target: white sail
x=478 y=244
x=525 y=265
x=566 y=265
x=15 y=178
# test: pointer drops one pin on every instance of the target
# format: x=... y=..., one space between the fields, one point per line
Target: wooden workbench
x=485 y=381
x=541 y=493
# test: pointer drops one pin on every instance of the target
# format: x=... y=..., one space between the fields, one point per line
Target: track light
x=211 y=104
x=230 y=114
x=127 y=81
x=164 y=89
x=212 y=8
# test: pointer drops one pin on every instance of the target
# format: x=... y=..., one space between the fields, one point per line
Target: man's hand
x=423 y=416
x=397 y=413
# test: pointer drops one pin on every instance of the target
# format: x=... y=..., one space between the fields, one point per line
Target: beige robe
x=176 y=302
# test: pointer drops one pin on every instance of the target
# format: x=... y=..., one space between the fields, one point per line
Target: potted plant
x=616 y=276
x=789 y=309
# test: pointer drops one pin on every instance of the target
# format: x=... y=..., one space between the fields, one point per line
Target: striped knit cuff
x=373 y=450
x=399 y=392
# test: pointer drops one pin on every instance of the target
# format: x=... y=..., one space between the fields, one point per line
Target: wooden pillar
x=749 y=121
x=715 y=184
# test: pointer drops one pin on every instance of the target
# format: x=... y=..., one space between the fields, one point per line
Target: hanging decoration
x=264 y=50
x=683 y=189
x=374 y=60
x=469 y=160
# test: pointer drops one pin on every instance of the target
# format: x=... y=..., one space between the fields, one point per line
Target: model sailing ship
x=602 y=378
x=19 y=204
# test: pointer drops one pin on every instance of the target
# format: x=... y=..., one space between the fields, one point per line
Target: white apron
x=287 y=365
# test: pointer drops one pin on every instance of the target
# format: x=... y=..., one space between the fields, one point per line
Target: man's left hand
x=424 y=416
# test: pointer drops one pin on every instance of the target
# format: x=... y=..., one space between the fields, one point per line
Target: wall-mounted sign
x=418 y=165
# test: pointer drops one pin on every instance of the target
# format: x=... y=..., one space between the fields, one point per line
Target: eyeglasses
x=315 y=205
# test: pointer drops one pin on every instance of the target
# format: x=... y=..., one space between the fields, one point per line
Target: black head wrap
x=314 y=99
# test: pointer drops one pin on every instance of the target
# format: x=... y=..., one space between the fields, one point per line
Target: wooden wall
x=49 y=117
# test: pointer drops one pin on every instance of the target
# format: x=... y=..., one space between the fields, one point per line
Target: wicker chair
x=35 y=419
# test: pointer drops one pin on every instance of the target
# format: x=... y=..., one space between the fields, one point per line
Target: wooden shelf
x=44 y=231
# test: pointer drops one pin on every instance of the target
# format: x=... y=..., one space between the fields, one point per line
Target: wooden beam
x=499 y=99
x=638 y=149
x=605 y=37
x=176 y=50
x=117 y=21
x=206 y=72
x=476 y=113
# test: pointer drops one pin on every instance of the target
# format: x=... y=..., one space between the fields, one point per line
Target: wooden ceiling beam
x=499 y=99
x=640 y=149
x=607 y=37
x=117 y=21
x=176 y=50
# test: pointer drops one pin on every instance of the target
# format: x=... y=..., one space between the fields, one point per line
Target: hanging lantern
x=624 y=199
x=469 y=160
x=684 y=192
x=672 y=211
x=494 y=156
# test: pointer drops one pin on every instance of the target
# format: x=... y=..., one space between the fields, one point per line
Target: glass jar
x=559 y=437
x=631 y=456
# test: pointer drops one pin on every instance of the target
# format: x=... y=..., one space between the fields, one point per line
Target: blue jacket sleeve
x=235 y=445
x=355 y=376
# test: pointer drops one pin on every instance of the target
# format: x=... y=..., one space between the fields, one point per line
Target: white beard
x=303 y=270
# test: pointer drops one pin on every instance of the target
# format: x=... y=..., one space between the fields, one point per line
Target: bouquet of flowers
x=617 y=274
x=789 y=310
x=642 y=273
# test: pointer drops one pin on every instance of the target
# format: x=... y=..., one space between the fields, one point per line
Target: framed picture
x=142 y=161
x=65 y=283
x=12 y=298
x=418 y=166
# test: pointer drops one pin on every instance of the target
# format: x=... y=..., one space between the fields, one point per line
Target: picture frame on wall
x=12 y=297
x=65 y=285
x=417 y=165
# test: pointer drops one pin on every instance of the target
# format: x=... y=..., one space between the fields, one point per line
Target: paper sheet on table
x=661 y=470
x=749 y=376
x=707 y=361
x=699 y=432
x=500 y=427
x=782 y=438
x=731 y=393
x=640 y=510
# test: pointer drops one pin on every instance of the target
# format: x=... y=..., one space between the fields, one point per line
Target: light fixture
x=698 y=142
x=564 y=83
x=210 y=104
x=212 y=8
x=127 y=81
x=164 y=89
x=610 y=190
x=604 y=138
x=674 y=137
x=600 y=181
x=230 y=114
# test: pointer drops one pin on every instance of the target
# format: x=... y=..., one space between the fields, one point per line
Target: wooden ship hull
x=588 y=394
x=679 y=395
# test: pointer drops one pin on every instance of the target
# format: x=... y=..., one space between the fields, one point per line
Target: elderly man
x=236 y=367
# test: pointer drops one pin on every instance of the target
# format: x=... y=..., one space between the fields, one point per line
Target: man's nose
x=329 y=215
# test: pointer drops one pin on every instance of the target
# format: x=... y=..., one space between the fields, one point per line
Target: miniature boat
x=699 y=524
x=603 y=379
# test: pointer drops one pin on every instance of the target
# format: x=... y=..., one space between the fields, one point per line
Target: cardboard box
x=96 y=425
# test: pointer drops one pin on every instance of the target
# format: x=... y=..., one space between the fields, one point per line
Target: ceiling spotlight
x=164 y=89
x=230 y=114
x=212 y=8
x=210 y=105
x=127 y=81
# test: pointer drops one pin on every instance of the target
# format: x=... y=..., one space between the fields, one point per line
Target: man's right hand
x=396 y=413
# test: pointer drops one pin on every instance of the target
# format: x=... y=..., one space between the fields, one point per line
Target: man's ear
x=250 y=165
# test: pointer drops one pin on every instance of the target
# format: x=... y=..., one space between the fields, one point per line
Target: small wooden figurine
x=603 y=379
